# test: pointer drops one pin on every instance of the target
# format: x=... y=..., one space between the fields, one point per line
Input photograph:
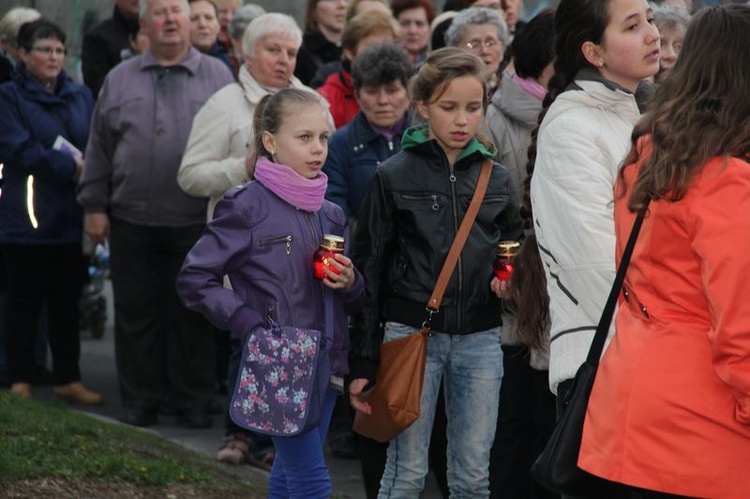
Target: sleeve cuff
x=356 y=290
x=362 y=368
x=243 y=321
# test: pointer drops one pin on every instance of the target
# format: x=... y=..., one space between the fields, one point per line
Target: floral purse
x=283 y=376
x=282 y=380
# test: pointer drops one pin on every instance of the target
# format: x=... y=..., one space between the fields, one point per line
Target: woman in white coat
x=214 y=160
x=604 y=48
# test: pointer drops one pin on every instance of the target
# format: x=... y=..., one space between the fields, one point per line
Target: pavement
x=99 y=374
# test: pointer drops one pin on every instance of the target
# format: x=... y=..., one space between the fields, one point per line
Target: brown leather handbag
x=395 y=399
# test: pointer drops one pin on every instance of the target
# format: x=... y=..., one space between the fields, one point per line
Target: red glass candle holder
x=322 y=258
x=503 y=264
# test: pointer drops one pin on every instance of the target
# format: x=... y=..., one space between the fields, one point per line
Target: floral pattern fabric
x=281 y=382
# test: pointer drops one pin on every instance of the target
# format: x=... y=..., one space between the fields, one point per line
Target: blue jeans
x=470 y=368
x=299 y=470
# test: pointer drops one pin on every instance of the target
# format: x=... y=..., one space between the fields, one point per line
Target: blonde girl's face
x=301 y=142
x=629 y=51
x=454 y=117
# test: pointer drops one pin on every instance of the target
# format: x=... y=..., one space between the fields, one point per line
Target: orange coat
x=670 y=409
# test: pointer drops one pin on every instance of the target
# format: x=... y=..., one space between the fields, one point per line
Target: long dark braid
x=576 y=21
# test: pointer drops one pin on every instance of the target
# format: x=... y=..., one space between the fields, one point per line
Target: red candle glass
x=503 y=264
x=325 y=254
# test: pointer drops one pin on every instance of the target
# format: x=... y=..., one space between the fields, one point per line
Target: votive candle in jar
x=503 y=264
x=329 y=246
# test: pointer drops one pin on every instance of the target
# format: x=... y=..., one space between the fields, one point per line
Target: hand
x=501 y=288
x=79 y=167
x=96 y=226
x=355 y=396
x=346 y=275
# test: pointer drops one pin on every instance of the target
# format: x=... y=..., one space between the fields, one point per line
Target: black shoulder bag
x=556 y=468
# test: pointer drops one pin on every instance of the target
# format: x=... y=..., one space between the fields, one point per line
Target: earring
x=601 y=64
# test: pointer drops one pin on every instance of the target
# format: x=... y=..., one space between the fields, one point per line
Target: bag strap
x=600 y=337
x=433 y=305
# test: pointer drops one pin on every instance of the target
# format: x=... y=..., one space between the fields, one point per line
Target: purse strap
x=433 y=305
x=600 y=337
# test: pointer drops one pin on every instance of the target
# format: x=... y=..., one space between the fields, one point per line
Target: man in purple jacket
x=130 y=196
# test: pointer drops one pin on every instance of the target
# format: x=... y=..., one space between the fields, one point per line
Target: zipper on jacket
x=271 y=315
x=435 y=204
x=314 y=238
x=459 y=292
x=276 y=240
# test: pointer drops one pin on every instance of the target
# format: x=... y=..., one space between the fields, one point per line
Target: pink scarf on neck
x=532 y=87
x=303 y=193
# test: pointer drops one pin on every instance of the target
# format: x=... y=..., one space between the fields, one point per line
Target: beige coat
x=214 y=159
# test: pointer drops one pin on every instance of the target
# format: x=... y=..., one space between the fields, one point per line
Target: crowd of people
x=211 y=145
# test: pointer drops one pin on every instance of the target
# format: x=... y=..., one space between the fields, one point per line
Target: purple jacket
x=265 y=246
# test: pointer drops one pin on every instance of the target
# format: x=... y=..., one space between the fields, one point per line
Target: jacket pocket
x=433 y=202
x=491 y=210
x=278 y=240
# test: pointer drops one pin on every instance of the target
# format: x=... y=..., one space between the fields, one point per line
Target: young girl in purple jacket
x=263 y=237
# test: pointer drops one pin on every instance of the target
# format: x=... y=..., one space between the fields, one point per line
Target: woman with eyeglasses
x=44 y=128
x=483 y=32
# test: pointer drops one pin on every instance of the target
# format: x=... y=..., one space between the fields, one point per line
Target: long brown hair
x=530 y=289
x=701 y=111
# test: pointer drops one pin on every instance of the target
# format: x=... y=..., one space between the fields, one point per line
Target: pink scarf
x=532 y=87
x=303 y=193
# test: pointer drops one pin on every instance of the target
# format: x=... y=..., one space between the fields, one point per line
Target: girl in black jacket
x=408 y=220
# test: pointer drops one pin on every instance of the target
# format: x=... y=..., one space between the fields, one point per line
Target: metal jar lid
x=508 y=248
x=332 y=243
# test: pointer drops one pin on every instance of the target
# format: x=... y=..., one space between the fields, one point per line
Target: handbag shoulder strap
x=600 y=337
x=458 y=243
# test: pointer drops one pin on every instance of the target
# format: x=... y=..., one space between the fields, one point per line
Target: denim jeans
x=299 y=470
x=470 y=368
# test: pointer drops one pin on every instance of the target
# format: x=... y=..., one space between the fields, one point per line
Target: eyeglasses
x=48 y=51
x=489 y=43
